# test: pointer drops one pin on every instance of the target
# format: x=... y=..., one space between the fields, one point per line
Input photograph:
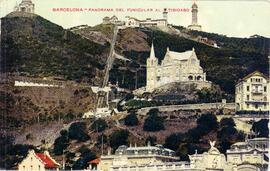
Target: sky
x=234 y=18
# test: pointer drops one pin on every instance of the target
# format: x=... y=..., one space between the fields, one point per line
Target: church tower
x=194 y=23
x=151 y=66
x=26 y=6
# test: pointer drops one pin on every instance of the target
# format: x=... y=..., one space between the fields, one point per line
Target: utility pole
x=268 y=99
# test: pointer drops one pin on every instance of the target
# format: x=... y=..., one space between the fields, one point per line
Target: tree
x=86 y=156
x=227 y=122
x=131 y=119
x=261 y=128
x=151 y=139
x=172 y=141
x=61 y=143
x=209 y=121
x=77 y=131
x=118 y=137
x=153 y=123
x=99 y=125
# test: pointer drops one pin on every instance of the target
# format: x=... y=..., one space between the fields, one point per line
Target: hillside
x=224 y=66
x=38 y=48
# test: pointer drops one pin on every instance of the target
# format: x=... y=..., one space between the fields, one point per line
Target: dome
x=194 y=5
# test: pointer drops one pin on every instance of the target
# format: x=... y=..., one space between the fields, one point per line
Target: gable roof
x=181 y=56
x=95 y=161
x=47 y=160
x=255 y=73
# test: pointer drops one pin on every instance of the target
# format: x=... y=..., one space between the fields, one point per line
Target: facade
x=211 y=160
x=240 y=157
x=253 y=151
x=175 y=67
x=136 y=157
x=134 y=22
x=251 y=93
x=112 y=20
x=25 y=6
x=38 y=161
x=194 y=24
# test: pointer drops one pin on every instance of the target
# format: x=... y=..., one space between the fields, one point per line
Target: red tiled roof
x=95 y=161
x=49 y=163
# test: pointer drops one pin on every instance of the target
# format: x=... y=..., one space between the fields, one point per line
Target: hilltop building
x=251 y=93
x=134 y=22
x=194 y=24
x=175 y=67
x=125 y=157
x=113 y=20
x=25 y=6
x=38 y=161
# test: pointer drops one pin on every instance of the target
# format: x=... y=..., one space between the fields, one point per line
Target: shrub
x=209 y=121
x=131 y=119
x=227 y=122
x=153 y=123
x=99 y=125
x=77 y=131
x=261 y=128
x=61 y=143
x=151 y=139
x=172 y=141
x=119 y=137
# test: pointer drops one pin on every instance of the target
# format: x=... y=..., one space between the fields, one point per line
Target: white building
x=175 y=67
x=139 y=157
x=113 y=20
x=134 y=22
x=251 y=93
x=194 y=24
x=211 y=160
x=25 y=6
x=252 y=151
x=241 y=157
x=38 y=161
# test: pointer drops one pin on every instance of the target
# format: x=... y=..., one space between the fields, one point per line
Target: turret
x=152 y=64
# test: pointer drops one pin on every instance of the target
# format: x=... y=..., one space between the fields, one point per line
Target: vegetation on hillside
x=49 y=50
x=191 y=141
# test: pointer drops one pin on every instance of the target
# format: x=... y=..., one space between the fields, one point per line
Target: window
x=265 y=89
x=247 y=88
x=247 y=97
x=256 y=106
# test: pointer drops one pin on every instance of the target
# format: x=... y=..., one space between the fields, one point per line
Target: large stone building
x=250 y=155
x=134 y=22
x=251 y=93
x=242 y=156
x=136 y=156
x=38 y=161
x=252 y=151
x=25 y=6
x=194 y=24
x=175 y=67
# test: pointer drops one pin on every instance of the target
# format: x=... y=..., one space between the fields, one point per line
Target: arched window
x=190 y=77
x=199 y=78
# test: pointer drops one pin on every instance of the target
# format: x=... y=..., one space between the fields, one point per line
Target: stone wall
x=202 y=106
